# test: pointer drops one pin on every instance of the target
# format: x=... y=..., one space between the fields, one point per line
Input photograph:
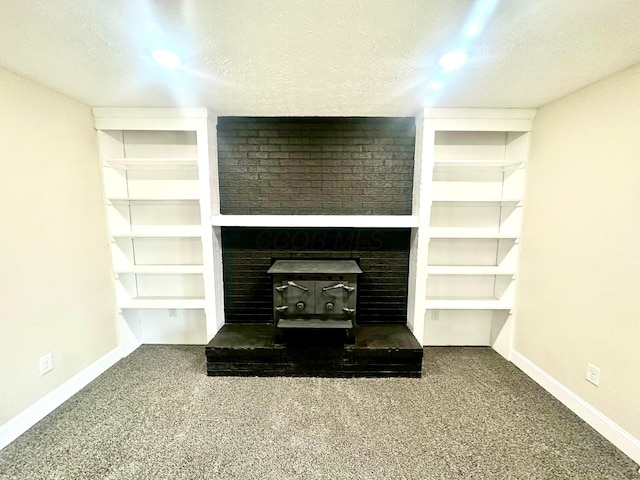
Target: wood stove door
x=329 y=299
x=299 y=298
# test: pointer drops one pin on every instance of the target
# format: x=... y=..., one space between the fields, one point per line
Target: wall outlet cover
x=45 y=363
x=592 y=374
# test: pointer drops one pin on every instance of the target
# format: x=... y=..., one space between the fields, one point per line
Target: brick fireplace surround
x=315 y=166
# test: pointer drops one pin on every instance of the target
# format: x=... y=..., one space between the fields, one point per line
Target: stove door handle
x=339 y=285
x=282 y=288
x=293 y=284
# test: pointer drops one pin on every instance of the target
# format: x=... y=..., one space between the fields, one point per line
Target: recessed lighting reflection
x=473 y=30
x=436 y=85
x=452 y=60
x=166 y=58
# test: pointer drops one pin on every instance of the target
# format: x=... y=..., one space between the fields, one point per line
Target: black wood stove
x=318 y=294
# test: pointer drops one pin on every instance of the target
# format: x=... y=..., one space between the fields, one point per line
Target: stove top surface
x=314 y=266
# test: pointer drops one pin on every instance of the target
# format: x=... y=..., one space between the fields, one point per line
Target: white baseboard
x=610 y=430
x=43 y=407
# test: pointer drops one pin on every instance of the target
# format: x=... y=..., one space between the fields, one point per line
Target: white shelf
x=153 y=163
x=475 y=200
x=469 y=270
x=468 y=304
x=310 y=221
x=476 y=164
x=161 y=269
x=162 y=302
x=471 y=233
x=160 y=232
x=165 y=198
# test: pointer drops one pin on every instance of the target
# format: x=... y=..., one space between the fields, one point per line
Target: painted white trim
x=151 y=118
x=47 y=404
x=211 y=240
x=149 y=112
x=480 y=113
x=481 y=119
x=419 y=248
x=610 y=430
x=348 y=221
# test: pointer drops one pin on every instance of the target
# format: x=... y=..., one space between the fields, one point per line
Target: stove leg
x=278 y=337
x=351 y=336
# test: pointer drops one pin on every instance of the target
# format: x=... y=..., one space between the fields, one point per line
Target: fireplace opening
x=381 y=254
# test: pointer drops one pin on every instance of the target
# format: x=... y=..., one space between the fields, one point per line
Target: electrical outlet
x=45 y=363
x=173 y=312
x=593 y=374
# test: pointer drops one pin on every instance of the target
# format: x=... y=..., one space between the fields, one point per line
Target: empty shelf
x=162 y=302
x=468 y=304
x=160 y=269
x=158 y=232
x=469 y=270
x=470 y=233
x=154 y=163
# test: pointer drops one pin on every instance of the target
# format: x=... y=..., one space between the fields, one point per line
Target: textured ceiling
x=313 y=57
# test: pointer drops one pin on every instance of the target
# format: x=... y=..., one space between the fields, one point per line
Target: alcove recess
x=156 y=175
x=465 y=251
x=456 y=190
x=315 y=167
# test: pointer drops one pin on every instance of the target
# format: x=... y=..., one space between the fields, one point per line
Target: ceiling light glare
x=473 y=30
x=166 y=58
x=452 y=60
x=436 y=85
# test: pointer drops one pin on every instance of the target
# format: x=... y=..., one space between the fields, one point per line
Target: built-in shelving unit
x=161 y=193
x=157 y=185
x=471 y=167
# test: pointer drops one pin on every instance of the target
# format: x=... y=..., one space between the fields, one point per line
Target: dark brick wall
x=383 y=255
x=313 y=166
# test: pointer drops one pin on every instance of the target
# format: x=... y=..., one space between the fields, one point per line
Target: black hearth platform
x=380 y=350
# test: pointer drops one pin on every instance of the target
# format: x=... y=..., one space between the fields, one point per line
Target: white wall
x=579 y=289
x=56 y=293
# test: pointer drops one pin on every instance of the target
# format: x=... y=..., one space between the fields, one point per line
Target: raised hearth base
x=382 y=350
